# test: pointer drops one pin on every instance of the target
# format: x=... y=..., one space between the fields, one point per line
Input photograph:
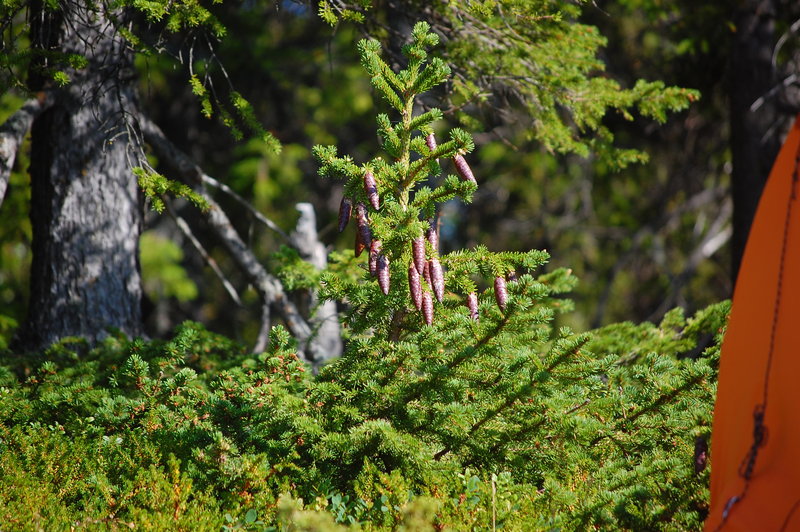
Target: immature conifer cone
x=383 y=274
x=700 y=454
x=427 y=307
x=418 y=251
x=500 y=293
x=426 y=273
x=437 y=278
x=463 y=169
x=374 y=250
x=430 y=140
x=363 y=224
x=433 y=235
x=345 y=208
x=359 y=247
x=414 y=286
x=512 y=276
x=371 y=188
x=472 y=305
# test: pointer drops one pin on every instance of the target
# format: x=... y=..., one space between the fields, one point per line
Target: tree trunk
x=323 y=318
x=85 y=206
x=755 y=137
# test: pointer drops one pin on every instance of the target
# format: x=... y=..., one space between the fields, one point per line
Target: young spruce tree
x=444 y=350
x=452 y=362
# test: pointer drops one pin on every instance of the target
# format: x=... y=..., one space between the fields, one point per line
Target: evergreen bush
x=458 y=404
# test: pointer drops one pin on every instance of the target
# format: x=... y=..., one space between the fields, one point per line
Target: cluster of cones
x=378 y=263
x=421 y=267
x=431 y=270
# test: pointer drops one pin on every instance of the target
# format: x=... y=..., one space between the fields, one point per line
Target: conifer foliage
x=456 y=404
x=430 y=373
x=396 y=198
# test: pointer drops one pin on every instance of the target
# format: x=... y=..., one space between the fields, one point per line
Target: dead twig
x=13 y=131
x=269 y=288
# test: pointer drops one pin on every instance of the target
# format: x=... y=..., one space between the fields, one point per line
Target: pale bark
x=13 y=132
x=324 y=319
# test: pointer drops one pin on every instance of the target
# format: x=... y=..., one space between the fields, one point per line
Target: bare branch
x=268 y=287
x=187 y=232
x=208 y=180
x=262 y=340
x=12 y=133
x=788 y=80
x=793 y=30
x=715 y=237
x=665 y=224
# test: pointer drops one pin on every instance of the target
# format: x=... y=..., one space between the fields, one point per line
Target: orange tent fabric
x=755 y=449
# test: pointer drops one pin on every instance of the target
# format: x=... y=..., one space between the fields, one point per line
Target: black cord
x=759 y=428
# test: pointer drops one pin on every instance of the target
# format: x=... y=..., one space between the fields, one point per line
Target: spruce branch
x=443 y=371
x=426 y=118
x=523 y=391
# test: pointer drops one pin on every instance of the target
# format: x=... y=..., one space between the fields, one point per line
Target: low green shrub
x=196 y=434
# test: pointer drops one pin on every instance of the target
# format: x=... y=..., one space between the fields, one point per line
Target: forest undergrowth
x=458 y=404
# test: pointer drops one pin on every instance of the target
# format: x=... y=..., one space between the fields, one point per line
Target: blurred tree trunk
x=756 y=130
x=85 y=206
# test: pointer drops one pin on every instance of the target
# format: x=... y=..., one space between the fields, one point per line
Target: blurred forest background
x=642 y=239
